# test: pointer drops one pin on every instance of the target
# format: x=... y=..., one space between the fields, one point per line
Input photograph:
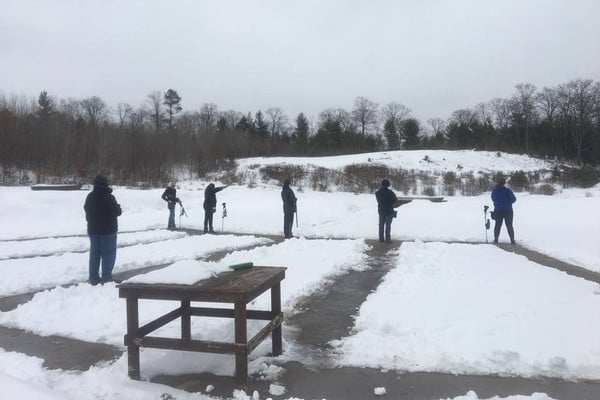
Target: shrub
x=402 y=180
x=545 y=189
x=281 y=172
x=450 y=178
x=519 y=181
x=429 y=191
x=365 y=177
x=319 y=179
x=584 y=177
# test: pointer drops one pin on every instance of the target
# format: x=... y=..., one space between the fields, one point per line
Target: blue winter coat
x=503 y=198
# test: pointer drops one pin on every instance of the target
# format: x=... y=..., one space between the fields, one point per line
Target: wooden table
x=237 y=287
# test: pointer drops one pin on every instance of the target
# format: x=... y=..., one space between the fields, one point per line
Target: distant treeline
x=149 y=143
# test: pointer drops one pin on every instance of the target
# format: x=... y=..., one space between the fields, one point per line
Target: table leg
x=241 y=343
x=133 y=350
x=277 y=346
x=186 y=325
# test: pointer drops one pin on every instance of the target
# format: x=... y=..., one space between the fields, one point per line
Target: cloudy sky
x=434 y=56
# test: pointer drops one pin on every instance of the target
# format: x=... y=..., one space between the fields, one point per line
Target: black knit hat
x=385 y=183
x=100 y=180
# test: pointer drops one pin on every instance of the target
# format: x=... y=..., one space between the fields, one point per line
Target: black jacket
x=210 y=197
x=289 y=200
x=101 y=211
x=170 y=196
x=385 y=200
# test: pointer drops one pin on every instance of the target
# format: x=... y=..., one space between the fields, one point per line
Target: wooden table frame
x=237 y=287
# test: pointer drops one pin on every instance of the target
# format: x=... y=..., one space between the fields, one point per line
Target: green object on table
x=245 y=265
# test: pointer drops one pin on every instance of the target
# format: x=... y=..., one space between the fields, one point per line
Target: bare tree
x=124 y=112
x=209 y=115
x=484 y=112
x=277 y=121
x=70 y=107
x=339 y=116
x=396 y=112
x=524 y=108
x=95 y=110
x=548 y=101
x=580 y=100
x=154 y=109
x=500 y=109
x=364 y=113
x=465 y=117
x=437 y=126
x=232 y=117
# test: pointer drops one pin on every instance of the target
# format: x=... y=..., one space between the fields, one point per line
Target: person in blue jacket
x=503 y=199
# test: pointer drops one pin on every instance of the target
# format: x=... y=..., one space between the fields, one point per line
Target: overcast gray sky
x=303 y=56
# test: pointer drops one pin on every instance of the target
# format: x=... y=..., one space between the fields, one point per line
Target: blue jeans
x=102 y=247
x=171 y=223
x=385 y=225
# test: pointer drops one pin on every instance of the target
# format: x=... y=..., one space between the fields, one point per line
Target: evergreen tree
x=262 y=127
x=45 y=105
x=410 y=133
x=173 y=102
x=390 y=131
x=301 y=133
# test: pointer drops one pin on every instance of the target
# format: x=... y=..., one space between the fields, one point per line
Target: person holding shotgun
x=210 y=206
x=289 y=208
x=503 y=199
x=170 y=196
x=386 y=200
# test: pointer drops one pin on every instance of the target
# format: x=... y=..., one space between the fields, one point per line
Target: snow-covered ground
x=421 y=160
x=459 y=307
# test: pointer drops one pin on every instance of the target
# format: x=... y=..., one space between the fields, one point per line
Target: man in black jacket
x=210 y=204
x=101 y=212
x=170 y=196
x=289 y=208
x=386 y=199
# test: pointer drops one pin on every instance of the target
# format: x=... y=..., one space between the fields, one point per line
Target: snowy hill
x=419 y=160
x=417 y=172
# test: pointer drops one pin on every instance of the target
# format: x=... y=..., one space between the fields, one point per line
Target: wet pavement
x=317 y=377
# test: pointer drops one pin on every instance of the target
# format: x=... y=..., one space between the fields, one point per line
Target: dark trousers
x=506 y=216
x=385 y=226
x=102 y=247
x=208 y=220
x=288 y=222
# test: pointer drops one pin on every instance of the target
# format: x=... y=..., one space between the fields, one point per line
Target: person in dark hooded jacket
x=289 y=208
x=101 y=212
x=210 y=204
x=170 y=196
x=386 y=199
